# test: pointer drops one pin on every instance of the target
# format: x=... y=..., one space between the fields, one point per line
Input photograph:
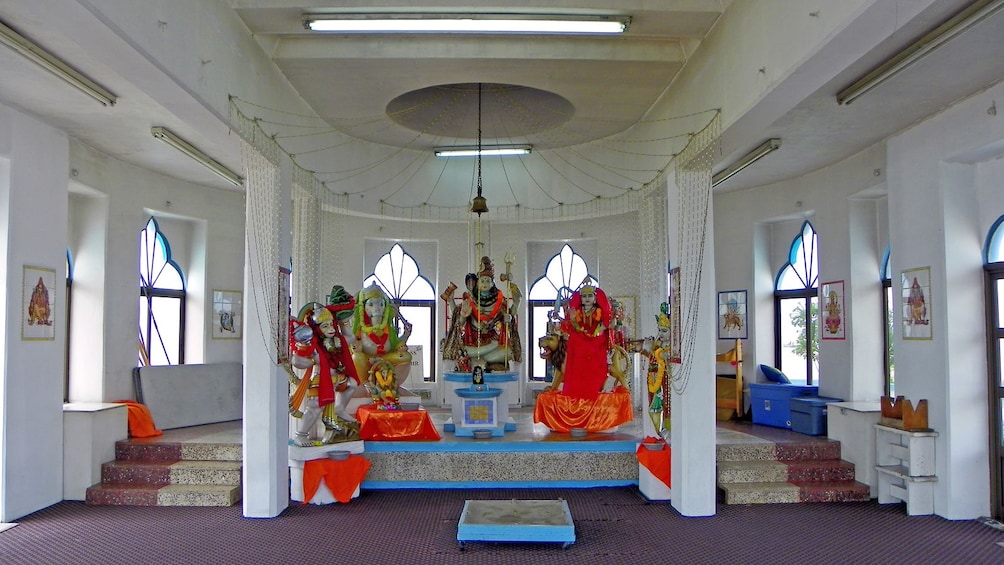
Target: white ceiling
x=600 y=87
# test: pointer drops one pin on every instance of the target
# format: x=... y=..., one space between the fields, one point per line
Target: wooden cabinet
x=905 y=464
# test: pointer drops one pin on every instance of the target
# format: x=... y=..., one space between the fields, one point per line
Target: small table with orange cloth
x=395 y=425
x=341 y=477
x=561 y=413
x=654 y=471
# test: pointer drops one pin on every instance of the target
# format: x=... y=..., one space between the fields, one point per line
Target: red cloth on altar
x=341 y=477
x=560 y=412
x=586 y=361
x=394 y=425
x=656 y=461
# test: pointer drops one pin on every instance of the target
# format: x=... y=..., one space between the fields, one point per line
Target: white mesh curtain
x=306 y=239
x=260 y=158
x=693 y=180
x=653 y=217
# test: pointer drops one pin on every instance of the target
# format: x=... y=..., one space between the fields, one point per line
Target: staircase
x=170 y=474
x=774 y=473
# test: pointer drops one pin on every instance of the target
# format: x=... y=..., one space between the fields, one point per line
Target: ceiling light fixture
x=952 y=28
x=51 y=63
x=746 y=160
x=486 y=151
x=169 y=137
x=466 y=23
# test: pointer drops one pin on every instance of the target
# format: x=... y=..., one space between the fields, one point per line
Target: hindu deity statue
x=587 y=325
x=659 y=354
x=321 y=349
x=378 y=337
x=483 y=326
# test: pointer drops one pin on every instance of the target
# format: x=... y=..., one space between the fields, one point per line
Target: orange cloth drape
x=656 y=461
x=140 y=420
x=561 y=413
x=341 y=477
x=394 y=425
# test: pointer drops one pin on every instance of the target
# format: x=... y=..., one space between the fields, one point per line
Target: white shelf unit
x=906 y=468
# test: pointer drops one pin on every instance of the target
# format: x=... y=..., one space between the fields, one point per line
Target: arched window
x=563 y=275
x=796 y=309
x=887 y=316
x=398 y=274
x=993 y=257
x=161 y=302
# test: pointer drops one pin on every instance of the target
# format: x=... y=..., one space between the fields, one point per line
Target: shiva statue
x=483 y=326
x=378 y=338
x=320 y=347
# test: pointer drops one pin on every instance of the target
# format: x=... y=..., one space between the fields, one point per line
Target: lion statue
x=553 y=349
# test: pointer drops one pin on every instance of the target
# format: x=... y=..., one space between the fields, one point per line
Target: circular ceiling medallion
x=508 y=112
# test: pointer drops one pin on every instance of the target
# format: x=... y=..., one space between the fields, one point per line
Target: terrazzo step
x=777 y=471
x=113 y=494
x=133 y=450
x=814 y=451
x=792 y=492
x=751 y=472
x=176 y=473
x=767 y=451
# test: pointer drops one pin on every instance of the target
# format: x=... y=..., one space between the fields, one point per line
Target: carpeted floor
x=612 y=526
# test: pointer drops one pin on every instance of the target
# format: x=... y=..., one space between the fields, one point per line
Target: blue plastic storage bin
x=770 y=402
x=808 y=414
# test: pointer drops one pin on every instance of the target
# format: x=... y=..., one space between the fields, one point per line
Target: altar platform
x=529 y=456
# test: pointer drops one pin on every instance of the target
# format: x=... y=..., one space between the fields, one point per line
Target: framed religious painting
x=732 y=314
x=675 y=319
x=834 y=316
x=282 y=328
x=916 y=303
x=228 y=314
x=38 y=304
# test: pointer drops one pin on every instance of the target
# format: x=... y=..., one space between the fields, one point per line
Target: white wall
x=944 y=179
x=206 y=230
x=753 y=234
x=35 y=210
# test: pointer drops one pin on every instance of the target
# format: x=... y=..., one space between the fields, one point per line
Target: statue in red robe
x=587 y=325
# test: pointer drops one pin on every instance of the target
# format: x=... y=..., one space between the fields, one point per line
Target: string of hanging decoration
x=386 y=165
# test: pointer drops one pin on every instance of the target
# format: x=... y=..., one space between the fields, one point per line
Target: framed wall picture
x=732 y=314
x=282 y=328
x=38 y=304
x=675 y=318
x=228 y=314
x=916 y=301
x=831 y=310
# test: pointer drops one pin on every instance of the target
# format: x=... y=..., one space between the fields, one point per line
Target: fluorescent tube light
x=954 y=27
x=168 y=137
x=49 y=62
x=748 y=159
x=465 y=23
x=486 y=151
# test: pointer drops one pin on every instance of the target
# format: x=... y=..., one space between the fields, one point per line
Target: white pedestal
x=90 y=430
x=651 y=487
x=297 y=456
x=853 y=425
x=906 y=466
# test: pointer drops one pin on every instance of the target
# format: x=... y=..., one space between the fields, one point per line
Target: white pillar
x=266 y=389
x=694 y=430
